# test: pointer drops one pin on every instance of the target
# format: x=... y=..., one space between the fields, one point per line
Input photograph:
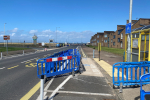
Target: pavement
x=105 y=65
x=18 y=75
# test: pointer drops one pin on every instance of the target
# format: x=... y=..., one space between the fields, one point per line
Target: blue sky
x=78 y=19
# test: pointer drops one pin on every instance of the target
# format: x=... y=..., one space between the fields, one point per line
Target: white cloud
x=12 y=34
x=46 y=31
x=33 y=31
x=23 y=35
x=15 y=30
x=1 y=35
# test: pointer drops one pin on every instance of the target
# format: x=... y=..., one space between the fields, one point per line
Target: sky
x=76 y=20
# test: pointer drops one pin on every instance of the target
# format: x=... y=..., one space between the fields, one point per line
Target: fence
x=57 y=64
x=144 y=79
x=131 y=73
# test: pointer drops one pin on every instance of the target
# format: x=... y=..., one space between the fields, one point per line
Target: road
x=18 y=75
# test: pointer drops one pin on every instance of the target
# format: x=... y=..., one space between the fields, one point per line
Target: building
x=117 y=39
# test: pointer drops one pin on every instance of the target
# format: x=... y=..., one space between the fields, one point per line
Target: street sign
x=6 y=37
x=128 y=28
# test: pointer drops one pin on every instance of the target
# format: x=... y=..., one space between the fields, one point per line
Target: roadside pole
x=7 y=47
x=93 y=52
x=42 y=88
x=129 y=39
x=1 y=55
x=99 y=49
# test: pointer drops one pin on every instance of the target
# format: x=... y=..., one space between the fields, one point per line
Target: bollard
x=73 y=51
x=93 y=52
x=23 y=52
x=42 y=87
x=1 y=55
x=120 y=90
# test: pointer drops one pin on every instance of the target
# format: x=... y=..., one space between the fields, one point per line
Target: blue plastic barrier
x=137 y=69
x=144 y=79
x=58 y=67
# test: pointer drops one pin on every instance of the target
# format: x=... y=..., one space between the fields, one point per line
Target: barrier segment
x=54 y=65
x=144 y=78
x=137 y=69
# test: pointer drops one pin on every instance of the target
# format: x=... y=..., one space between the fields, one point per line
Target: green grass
x=3 y=49
x=112 y=50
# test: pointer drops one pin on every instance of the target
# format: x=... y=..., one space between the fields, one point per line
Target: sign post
x=128 y=31
x=99 y=49
x=6 y=37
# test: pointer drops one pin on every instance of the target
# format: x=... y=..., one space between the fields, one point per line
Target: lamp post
x=129 y=40
x=4 y=33
x=56 y=33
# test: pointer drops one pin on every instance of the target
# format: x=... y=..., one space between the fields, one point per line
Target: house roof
x=108 y=32
x=141 y=28
x=122 y=26
x=101 y=33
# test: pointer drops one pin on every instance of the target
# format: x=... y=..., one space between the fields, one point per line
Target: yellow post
x=125 y=48
x=149 y=48
x=99 y=49
x=144 y=48
x=98 y=46
x=139 y=41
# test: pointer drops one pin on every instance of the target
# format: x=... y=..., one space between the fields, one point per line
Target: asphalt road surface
x=18 y=75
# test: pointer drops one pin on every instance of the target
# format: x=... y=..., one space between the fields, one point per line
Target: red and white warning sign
x=6 y=37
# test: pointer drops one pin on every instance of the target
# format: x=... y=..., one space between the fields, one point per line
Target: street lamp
x=4 y=33
x=56 y=33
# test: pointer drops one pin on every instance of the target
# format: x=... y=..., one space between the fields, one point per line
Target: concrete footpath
x=105 y=66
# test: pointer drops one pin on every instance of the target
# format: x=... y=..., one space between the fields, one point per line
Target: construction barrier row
x=129 y=73
x=132 y=73
x=59 y=63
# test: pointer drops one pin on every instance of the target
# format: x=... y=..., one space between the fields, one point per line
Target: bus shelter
x=140 y=44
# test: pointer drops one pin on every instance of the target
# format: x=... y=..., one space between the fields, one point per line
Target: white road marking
x=31 y=59
x=56 y=90
x=86 y=93
x=2 y=68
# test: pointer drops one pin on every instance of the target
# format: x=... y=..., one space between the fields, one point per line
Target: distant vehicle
x=59 y=45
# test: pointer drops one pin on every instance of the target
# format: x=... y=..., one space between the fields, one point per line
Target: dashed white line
x=2 y=68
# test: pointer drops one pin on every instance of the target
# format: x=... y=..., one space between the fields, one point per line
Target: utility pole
x=129 y=39
x=129 y=35
x=4 y=33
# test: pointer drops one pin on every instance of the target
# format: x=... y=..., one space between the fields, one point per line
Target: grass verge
x=112 y=50
x=3 y=49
